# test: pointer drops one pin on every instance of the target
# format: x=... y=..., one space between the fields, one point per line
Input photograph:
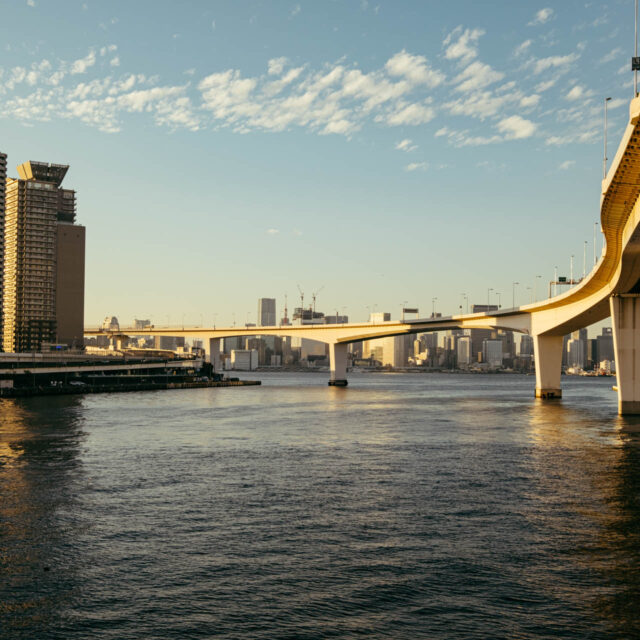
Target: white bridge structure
x=611 y=289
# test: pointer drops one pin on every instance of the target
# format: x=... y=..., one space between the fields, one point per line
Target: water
x=405 y=506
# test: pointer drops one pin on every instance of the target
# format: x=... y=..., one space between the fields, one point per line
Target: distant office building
x=392 y=351
x=244 y=359
x=526 y=345
x=3 y=181
x=492 y=353
x=463 y=351
x=577 y=349
x=141 y=324
x=266 y=312
x=169 y=343
x=478 y=336
x=380 y=316
x=43 y=261
x=605 y=344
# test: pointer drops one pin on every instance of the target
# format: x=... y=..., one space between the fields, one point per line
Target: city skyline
x=437 y=156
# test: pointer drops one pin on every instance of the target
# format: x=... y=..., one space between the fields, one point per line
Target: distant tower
x=43 y=261
x=266 y=312
x=3 y=181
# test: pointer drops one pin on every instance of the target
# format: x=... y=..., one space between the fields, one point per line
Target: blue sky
x=385 y=151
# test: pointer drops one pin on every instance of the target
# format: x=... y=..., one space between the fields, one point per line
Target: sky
x=380 y=154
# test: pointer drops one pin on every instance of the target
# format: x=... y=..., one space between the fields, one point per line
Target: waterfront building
x=244 y=359
x=605 y=344
x=3 y=181
x=463 y=351
x=266 y=312
x=141 y=324
x=526 y=345
x=44 y=254
x=492 y=353
x=478 y=336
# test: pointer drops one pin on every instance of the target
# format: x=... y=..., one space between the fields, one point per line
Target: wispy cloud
x=406 y=145
x=567 y=164
x=416 y=166
x=543 y=16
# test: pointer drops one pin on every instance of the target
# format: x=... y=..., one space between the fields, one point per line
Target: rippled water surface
x=405 y=506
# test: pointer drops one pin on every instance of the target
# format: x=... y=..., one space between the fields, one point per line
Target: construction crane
x=313 y=297
x=301 y=298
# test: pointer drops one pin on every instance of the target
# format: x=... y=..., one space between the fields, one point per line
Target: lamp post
x=466 y=299
x=604 y=159
x=555 y=281
x=433 y=307
x=535 y=288
x=404 y=304
x=513 y=294
x=530 y=294
x=584 y=261
x=595 y=226
x=488 y=296
x=571 y=276
x=498 y=295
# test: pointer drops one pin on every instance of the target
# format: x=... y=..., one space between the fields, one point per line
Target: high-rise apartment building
x=3 y=181
x=43 y=261
x=267 y=312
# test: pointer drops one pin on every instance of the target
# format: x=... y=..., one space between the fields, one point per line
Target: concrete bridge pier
x=625 y=320
x=547 y=351
x=213 y=353
x=338 y=364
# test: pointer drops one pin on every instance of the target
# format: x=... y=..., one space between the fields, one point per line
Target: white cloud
x=405 y=145
x=115 y=62
x=31 y=3
x=516 y=127
x=522 y=48
x=415 y=166
x=476 y=76
x=546 y=85
x=576 y=93
x=543 y=16
x=554 y=62
x=567 y=164
x=530 y=101
x=414 y=68
x=295 y=10
x=462 y=45
x=276 y=66
x=611 y=56
x=81 y=65
x=273 y=232
x=410 y=114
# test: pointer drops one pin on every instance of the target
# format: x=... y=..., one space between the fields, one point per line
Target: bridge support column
x=338 y=362
x=625 y=320
x=214 y=354
x=547 y=351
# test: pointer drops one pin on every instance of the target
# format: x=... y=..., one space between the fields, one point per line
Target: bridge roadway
x=612 y=288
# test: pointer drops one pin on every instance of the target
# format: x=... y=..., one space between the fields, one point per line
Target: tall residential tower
x=3 y=180
x=43 y=261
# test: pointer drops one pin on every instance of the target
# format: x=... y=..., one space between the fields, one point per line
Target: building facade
x=44 y=253
x=267 y=312
x=3 y=181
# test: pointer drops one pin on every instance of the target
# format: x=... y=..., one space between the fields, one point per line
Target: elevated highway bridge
x=611 y=289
